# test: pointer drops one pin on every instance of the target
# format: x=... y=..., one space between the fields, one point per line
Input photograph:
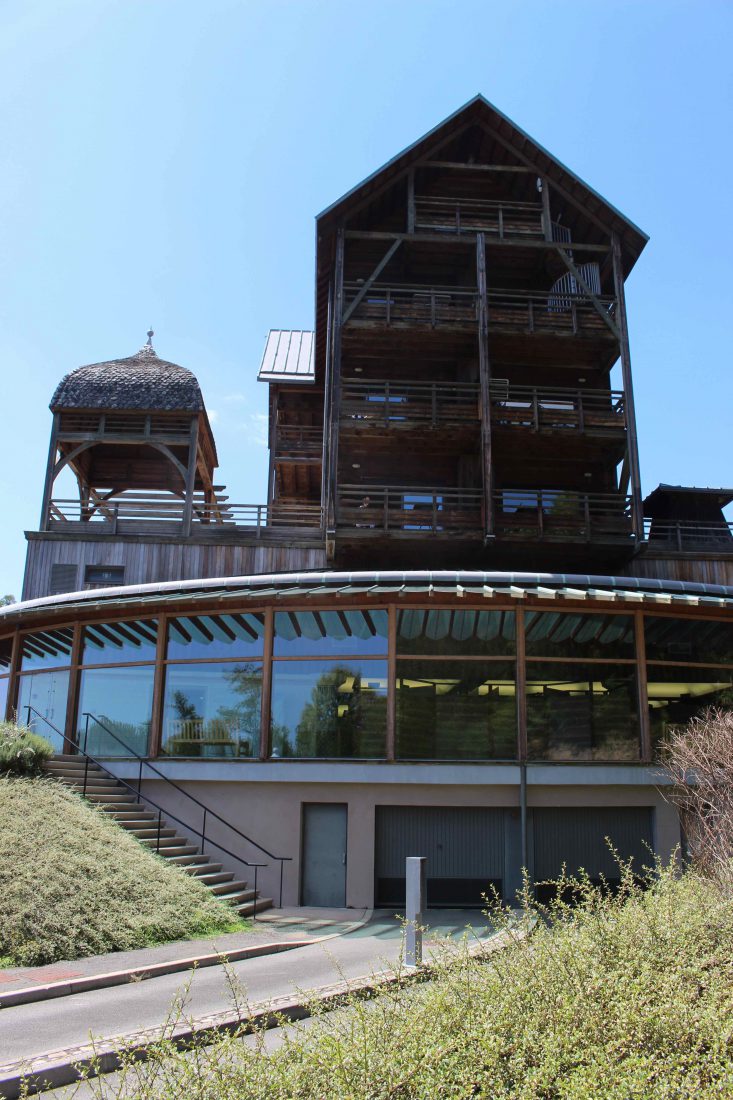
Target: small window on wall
x=63 y=579
x=104 y=576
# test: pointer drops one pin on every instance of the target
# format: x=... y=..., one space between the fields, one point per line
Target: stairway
x=119 y=803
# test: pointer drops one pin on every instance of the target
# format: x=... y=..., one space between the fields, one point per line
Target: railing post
x=678 y=533
x=501 y=222
x=115 y=517
x=414 y=905
x=388 y=306
x=435 y=513
x=586 y=509
x=535 y=410
x=574 y=315
x=581 y=412
x=385 y=508
x=139 y=778
x=530 y=314
x=86 y=732
x=254 y=900
x=432 y=307
x=203 y=831
x=433 y=406
x=540 y=516
x=386 y=404
x=282 y=864
x=157 y=842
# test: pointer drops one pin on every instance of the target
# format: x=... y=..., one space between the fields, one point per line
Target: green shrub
x=613 y=998
x=73 y=883
x=22 y=752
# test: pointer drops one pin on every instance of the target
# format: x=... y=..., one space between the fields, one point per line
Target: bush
x=699 y=760
x=73 y=883
x=22 y=752
x=624 y=997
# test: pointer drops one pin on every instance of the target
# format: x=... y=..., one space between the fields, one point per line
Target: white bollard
x=414 y=905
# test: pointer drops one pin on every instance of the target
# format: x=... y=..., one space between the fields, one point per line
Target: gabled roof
x=721 y=496
x=141 y=381
x=288 y=357
x=524 y=149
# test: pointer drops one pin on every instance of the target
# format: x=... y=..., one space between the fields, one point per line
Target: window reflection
x=116 y=643
x=46 y=649
x=46 y=694
x=677 y=694
x=688 y=640
x=206 y=636
x=329 y=708
x=565 y=634
x=456 y=710
x=212 y=710
x=324 y=633
x=119 y=702
x=3 y=696
x=582 y=712
x=456 y=633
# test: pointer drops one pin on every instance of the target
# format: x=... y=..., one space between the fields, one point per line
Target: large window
x=6 y=653
x=43 y=684
x=456 y=697
x=115 y=708
x=213 y=686
x=582 y=696
x=329 y=684
x=689 y=668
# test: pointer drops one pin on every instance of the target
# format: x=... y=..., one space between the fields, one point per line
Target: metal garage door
x=464 y=848
x=577 y=837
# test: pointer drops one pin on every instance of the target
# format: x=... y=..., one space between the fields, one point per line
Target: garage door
x=464 y=848
x=577 y=837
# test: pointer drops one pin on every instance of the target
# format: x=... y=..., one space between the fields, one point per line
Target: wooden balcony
x=505 y=220
x=554 y=515
x=386 y=404
x=410 y=511
x=158 y=514
x=558 y=410
x=408 y=306
x=298 y=443
x=557 y=314
x=689 y=536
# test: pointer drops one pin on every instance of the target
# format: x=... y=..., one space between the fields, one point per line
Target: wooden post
x=637 y=508
x=273 y=441
x=265 y=700
x=326 y=450
x=156 y=726
x=49 y=480
x=485 y=380
x=521 y=686
x=391 y=732
x=643 y=697
x=546 y=216
x=12 y=701
x=72 y=699
x=411 y=201
x=338 y=308
x=193 y=442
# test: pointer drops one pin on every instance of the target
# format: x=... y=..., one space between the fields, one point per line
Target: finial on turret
x=150 y=334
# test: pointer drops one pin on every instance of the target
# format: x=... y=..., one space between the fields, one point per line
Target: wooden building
x=455 y=625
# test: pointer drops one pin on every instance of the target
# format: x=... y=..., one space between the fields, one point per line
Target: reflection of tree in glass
x=243 y=718
x=185 y=710
x=337 y=717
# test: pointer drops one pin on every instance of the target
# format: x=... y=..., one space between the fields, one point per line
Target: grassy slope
x=72 y=883
x=611 y=1002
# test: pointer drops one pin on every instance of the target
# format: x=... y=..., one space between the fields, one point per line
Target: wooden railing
x=516 y=310
x=687 y=535
x=496 y=218
x=550 y=409
x=142 y=513
x=560 y=516
x=381 y=403
x=385 y=508
x=298 y=441
x=123 y=423
x=543 y=311
x=414 y=305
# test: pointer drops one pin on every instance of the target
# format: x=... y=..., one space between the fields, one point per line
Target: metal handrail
x=162 y=810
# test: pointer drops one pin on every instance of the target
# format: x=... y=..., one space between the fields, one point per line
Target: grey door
x=463 y=845
x=578 y=838
x=324 y=854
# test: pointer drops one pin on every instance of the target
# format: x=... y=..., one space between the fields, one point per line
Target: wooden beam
x=411 y=201
x=521 y=686
x=50 y=476
x=266 y=696
x=338 y=305
x=72 y=699
x=391 y=735
x=371 y=280
x=643 y=696
x=561 y=251
x=546 y=215
x=631 y=438
x=476 y=167
x=156 y=726
x=468 y=239
x=485 y=386
x=190 y=477
x=11 y=702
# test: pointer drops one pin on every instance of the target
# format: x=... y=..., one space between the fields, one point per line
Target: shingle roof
x=288 y=357
x=142 y=381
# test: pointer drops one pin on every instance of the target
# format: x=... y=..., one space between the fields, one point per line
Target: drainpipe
x=523 y=812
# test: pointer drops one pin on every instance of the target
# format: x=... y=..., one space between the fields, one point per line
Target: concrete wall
x=269 y=809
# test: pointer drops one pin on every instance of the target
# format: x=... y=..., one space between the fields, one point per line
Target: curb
x=31 y=994
x=65 y=1067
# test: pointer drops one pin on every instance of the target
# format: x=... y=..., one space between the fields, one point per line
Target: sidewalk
x=272 y=930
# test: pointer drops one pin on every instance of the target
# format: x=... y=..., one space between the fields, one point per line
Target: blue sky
x=163 y=161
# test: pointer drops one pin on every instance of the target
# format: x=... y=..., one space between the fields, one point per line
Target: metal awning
x=288 y=357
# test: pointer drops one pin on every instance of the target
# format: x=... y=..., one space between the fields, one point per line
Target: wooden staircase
x=119 y=803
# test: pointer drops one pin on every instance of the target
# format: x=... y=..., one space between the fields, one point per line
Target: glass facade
x=453 y=693
x=116 y=707
x=212 y=709
x=329 y=709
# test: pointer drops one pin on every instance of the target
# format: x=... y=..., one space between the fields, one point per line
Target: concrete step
x=200 y=867
x=72 y=769
x=147 y=833
x=133 y=820
x=248 y=908
x=114 y=809
x=193 y=859
x=165 y=841
x=172 y=853
x=97 y=788
x=215 y=878
x=111 y=799
x=229 y=891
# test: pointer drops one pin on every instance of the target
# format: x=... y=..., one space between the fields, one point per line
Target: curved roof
x=549 y=587
x=142 y=381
